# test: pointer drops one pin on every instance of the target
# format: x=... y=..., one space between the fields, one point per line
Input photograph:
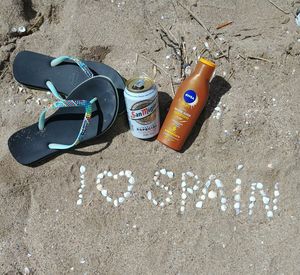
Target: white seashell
x=238 y=181
x=252 y=192
x=183 y=184
x=250 y=212
x=108 y=199
x=267 y=207
x=166 y=188
x=266 y=200
x=212 y=194
x=162 y=204
x=253 y=188
x=198 y=182
x=122 y=173
x=196 y=177
x=199 y=204
x=149 y=195
x=121 y=200
x=182 y=202
x=79 y=190
x=202 y=197
x=182 y=208
x=276 y=185
x=275 y=207
x=155 y=178
x=162 y=186
x=275 y=201
x=82 y=181
x=128 y=173
x=190 y=190
x=154 y=202
x=156 y=173
x=253 y=183
x=104 y=172
x=109 y=174
x=99 y=187
x=190 y=174
x=259 y=185
x=98 y=181
x=183 y=189
x=252 y=198
x=170 y=174
x=163 y=171
x=80 y=196
x=183 y=196
x=223 y=207
x=82 y=176
x=100 y=176
x=79 y=202
x=26 y=270
x=262 y=192
x=116 y=203
x=251 y=205
x=240 y=167
x=195 y=187
x=211 y=177
x=276 y=193
x=207 y=184
x=221 y=192
x=127 y=194
x=131 y=180
x=236 y=205
x=218 y=183
x=237 y=197
x=223 y=200
x=204 y=191
x=270 y=214
x=170 y=193
x=129 y=188
x=82 y=186
x=104 y=192
x=82 y=169
x=168 y=200
x=115 y=177
x=206 y=45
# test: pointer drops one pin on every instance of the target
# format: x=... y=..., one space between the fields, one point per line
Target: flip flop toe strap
x=63 y=104
x=82 y=65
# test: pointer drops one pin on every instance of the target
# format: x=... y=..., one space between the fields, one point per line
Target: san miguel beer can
x=141 y=98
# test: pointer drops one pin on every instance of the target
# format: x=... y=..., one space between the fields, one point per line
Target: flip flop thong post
x=87 y=113
x=33 y=70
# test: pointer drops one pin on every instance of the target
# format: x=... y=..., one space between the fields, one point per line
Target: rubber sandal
x=87 y=113
x=33 y=70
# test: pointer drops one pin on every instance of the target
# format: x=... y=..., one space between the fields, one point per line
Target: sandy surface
x=43 y=231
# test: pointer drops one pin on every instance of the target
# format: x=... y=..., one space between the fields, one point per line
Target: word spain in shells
x=190 y=187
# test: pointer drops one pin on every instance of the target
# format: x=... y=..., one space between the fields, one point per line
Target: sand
x=43 y=231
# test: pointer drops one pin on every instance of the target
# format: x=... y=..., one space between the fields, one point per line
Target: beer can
x=141 y=98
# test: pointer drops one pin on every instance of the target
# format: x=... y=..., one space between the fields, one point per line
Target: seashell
x=122 y=173
x=267 y=207
x=79 y=202
x=251 y=205
x=162 y=204
x=196 y=177
x=82 y=169
x=240 y=167
x=121 y=199
x=115 y=177
x=156 y=173
x=149 y=195
x=82 y=181
x=199 y=204
x=190 y=174
x=275 y=201
x=170 y=193
x=100 y=176
x=127 y=194
x=266 y=200
x=79 y=190
x=166 y=188
x=276 y=193
x=236 y=205
x=154 y=202
x=104 y=192
x=183 y=184
x=250 y=212
x=182 y=208
x=275 y=207
x=207 y=184
x=82 y=176
x=202 y=197
x=155 y=178
x=131 y=180
x=99 y=187
x=259 y=185
x=190 y=190
x=218 y=183
x=221 y=192
x=262 y=192
x=195 y=187
x=252 y=198
x=237 y=197
x=80 y=196
x=212 y=194
x=270 y=214
x=109 y=174
x=163 y=171
x=168 y=200
x=129 y=188
x=183 y=196
x=157 y=183
x=204 y=191
x=116 y=203
x=211 y=177
x=128 y=173
x=223 y=200
x=182 y=202
x=98 y=181
x=238 y=181
x=170 y=174
x=223 y=207
x=108 y=199
x=183 y=189
x=105 y=172
x=162 y=186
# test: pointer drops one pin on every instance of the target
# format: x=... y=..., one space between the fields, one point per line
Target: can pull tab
x=139 y=84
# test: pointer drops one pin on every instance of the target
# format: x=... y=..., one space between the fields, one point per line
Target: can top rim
x=147 y=86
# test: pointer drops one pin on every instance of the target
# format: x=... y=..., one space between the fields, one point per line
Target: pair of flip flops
x=89 y=98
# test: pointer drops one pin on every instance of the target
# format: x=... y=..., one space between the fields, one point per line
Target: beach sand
x=43 y=231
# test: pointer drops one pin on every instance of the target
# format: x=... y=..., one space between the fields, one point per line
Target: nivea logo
x=189 y=96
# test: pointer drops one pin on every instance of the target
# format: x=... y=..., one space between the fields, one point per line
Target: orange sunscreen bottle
x=187 y=106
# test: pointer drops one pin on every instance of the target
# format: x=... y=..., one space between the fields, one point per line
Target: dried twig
x=201 y=24
x=224 y=25
x=172 y=87
x=275 y=5
x=4 y=72
x=37 y=23
x=158 y=66
x=259 y=58
x=168 y=32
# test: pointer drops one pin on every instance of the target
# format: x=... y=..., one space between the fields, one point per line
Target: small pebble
x=82 y=181
x=156 y=173
x=170 y=174
x=212 y=194
x=82 y=176
x=82 y=169
x=79 y=190
x=98 y=181
x=26 y=270
x=166 y=188
x=270 y=165
x=104 y=192
x=79 y=202
x=183 y=189
x=251 y=205
x=104 y=172
x=196 y=177
x=259 y=185
x=267 y=207
x=211 y=177
x=182 y=202
x=275 y=201
x=163 y=171
x=157 y=183
x=199 y=204
x=183 y=196
x=207 y=184
x=250 y=212
x=149 y=195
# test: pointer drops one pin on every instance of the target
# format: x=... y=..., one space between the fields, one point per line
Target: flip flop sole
x=33 y=70
x=30 y=145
